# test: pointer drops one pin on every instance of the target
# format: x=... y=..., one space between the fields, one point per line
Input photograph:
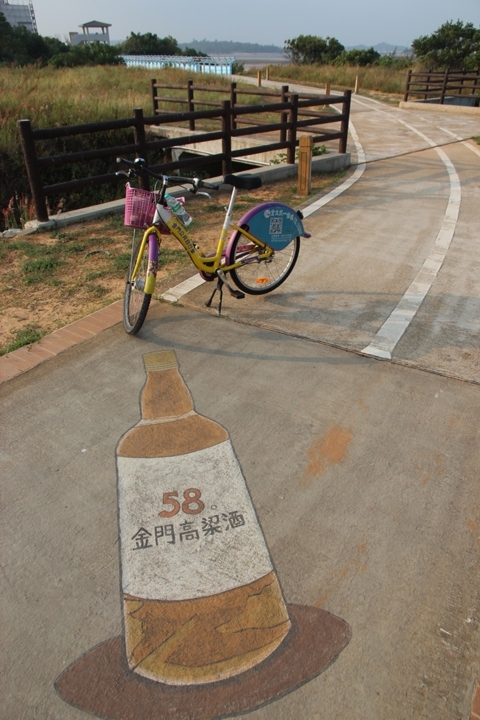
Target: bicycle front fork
x=152 y=266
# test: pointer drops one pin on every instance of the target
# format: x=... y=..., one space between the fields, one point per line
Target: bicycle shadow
x=164 y=330
x=445 y=329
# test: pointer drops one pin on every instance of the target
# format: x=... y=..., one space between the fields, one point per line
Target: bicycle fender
x=274 y=223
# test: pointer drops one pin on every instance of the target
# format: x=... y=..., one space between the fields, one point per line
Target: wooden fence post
x=475 y=81
x=407 y=85
x=154 y=96
x=259 y=78
x=284 y=114
x=444 y=87
x=425 y=96
x=356 y=84
x=30 y=155
x=267 y=73
x=190 y=103
x=292 y=131
x=226 y=138
x=305 y=165
x=342 y=145
x=141 y=143
x=327 y=88
x=233 y=102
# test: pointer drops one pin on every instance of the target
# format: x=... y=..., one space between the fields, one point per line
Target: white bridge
x=207 y=65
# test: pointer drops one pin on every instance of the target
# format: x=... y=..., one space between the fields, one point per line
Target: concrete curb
x=432 y=107
x=25 y=358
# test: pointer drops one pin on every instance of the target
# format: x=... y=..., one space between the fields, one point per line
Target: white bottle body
x=198 y=551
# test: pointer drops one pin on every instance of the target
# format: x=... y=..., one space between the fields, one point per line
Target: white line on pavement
x=360 y=169
x=464 y=142
x=174 y=294
x=394 y=327
x=418 y=132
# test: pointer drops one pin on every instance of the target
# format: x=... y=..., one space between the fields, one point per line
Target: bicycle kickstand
x=220 y=283
x=219 y=287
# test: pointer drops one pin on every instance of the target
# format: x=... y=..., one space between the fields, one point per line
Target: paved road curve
x=393 y=268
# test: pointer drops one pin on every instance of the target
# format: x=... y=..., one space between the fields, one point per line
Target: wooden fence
x=228 y=118
x=430 y=85
x=193 y=98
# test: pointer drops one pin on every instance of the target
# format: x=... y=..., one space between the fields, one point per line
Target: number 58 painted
x=191 y=497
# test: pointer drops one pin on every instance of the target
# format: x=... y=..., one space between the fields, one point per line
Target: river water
x=260 y=60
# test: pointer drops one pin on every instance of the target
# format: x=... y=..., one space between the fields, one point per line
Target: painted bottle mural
x=201 y=599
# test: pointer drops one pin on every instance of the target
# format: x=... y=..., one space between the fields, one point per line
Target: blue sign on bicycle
x=274 y=223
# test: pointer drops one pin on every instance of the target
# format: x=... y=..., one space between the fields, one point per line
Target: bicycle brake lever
x=122 y=172
x=205 y=194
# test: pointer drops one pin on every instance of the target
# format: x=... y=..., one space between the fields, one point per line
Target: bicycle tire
x=260 y=277
x=135 y=301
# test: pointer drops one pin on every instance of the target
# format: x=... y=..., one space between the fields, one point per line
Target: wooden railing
x=430 y=85
x=290 y=112
x=193 y=98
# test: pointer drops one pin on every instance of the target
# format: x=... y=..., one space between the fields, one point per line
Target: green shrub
x=454 y=45
x=91 y=54
x=359 y=58
x=310 y=50
x=26 y=336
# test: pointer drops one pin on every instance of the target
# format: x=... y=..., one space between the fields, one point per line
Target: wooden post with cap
x=305 y=165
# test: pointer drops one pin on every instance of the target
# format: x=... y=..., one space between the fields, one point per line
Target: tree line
x=19 y=46
x=454 y=45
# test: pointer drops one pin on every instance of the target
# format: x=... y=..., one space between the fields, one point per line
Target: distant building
x=19 y=14
x=93 y=31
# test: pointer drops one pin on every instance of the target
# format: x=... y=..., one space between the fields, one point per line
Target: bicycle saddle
x=243 y=182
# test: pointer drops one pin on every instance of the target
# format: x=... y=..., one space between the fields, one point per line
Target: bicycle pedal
x=237 y=294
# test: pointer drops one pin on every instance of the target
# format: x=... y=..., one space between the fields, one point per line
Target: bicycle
x=259 y=256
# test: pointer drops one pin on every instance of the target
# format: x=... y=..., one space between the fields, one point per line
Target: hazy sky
x=352 y=22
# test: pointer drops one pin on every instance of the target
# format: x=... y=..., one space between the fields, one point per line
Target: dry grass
x=383 y=80
x=51 y=97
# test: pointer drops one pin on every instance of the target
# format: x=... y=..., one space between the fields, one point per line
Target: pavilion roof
x=95 y=23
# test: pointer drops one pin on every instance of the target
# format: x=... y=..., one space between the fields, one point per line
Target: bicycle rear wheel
x=255 y=276
x=136 y=301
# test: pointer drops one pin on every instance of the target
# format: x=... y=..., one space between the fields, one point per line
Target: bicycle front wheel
x=256 y=276
x=136 y=301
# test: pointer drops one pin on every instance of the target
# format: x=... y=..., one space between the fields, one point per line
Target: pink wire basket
x=139 y=207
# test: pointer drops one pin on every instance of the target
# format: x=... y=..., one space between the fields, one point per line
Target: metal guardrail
x=288 y=128
x=430 y=85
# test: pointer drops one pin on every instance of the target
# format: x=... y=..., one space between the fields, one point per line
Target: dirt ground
x=49 y=280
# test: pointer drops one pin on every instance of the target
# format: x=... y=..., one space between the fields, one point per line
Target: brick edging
x=475 y=709
x=27 y=357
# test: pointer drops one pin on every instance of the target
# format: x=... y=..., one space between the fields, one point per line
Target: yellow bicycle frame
x=203 y=264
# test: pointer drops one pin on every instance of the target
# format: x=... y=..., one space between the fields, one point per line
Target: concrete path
x=392 y=268
x=363 y=471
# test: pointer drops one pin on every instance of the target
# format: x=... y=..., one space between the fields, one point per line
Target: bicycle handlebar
x=138 y=168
